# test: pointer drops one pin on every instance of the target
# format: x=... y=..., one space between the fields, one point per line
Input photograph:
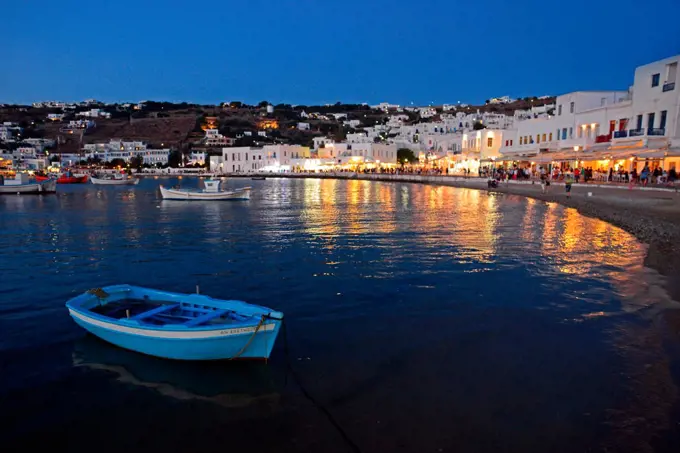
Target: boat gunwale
x=75 y=304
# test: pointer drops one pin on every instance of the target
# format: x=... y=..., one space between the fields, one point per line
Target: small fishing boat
x=258 y=178
x=211 y=192
x=21 y=184
x=115 y=179
x=66 y=178
x=177 y=326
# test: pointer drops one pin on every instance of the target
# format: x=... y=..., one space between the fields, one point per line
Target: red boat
x=66 y=178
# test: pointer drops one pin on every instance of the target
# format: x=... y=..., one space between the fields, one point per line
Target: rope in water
x=353 y=446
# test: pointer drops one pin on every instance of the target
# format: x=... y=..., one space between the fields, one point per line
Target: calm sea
x=419 y=319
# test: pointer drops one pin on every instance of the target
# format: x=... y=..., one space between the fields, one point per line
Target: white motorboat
x=211 y=192
x=21 y=185
x=115 y=179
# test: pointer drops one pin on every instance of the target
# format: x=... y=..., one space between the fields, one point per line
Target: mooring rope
x=313 y=400
x=252 y=337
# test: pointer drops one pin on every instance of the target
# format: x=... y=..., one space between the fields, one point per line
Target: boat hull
x=218 y=344
x=49 y=186
x=72 y=180
x=174 y=194
x=114 y=182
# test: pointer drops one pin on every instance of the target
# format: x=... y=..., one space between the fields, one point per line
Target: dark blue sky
x=321 y=51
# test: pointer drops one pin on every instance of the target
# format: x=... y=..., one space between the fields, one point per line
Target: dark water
x=420 y=319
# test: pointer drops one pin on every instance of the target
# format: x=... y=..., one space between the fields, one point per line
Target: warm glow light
x=576 y=148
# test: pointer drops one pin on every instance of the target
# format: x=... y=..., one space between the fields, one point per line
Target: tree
x=117 y=162
x=174 y=159
x=263 y=104
x=137 y=162
x=405 y=155
x=478 y=126
x=377 y=139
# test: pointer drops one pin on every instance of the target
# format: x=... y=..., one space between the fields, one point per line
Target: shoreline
x=652 y=215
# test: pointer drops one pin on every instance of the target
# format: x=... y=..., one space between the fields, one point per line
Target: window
x=571 y=107
x=233 y=156
x=550 y=139
x=538 y=138
x=579 y=132
x=521 y=140
x=655 y=80
x=559 y=110
x=489 y=142
x=510 y=142
x=650 y=121
x=639 y=122
x=603 y=101
x=662 y=122
x=246 y=156
x=543 y=137
x=564 y=133
x=571 y=132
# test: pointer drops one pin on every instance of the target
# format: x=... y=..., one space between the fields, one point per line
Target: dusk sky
x=323 y=51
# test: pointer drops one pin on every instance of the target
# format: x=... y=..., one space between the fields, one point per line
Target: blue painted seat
x=204 y=318
x=155 y=311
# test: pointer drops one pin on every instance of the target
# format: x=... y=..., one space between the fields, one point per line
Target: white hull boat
x=20 y=185
x=211 y=192
x=115 y=181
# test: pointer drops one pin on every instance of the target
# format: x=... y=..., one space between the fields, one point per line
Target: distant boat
x=114 y=180
x=177 y=326
x=66 y=178
x=20 y=184
x=211 y=192
x=258 y=178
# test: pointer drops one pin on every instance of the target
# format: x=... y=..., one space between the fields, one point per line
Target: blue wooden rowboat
x=177 y=326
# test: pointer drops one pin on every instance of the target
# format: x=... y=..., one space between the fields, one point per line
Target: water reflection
x=228 y=384
x=386 y=285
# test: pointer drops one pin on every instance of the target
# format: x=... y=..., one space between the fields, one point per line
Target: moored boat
x=177 y=326
x=211 y=192
x=66 y=178
x=114 y=180
x=21 y=184
x=258 y=178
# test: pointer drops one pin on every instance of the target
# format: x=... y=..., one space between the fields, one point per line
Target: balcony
x=620 y=134
x=603 y=138
x=668 y=86
x=658 y=131
x=636 y=132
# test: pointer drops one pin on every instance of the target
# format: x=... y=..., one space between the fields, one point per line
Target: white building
x=213 y=138
x=501 y=100
x=427 y=112
x=94 y=113
x=55 y=116
x=126 y=150
x=627 y=127
x=352 y=123
x=303 y=126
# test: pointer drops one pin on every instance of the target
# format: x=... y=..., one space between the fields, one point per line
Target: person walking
x=568 y=181
x=644 y=175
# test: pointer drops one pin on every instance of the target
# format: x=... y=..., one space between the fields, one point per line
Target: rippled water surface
x=419 y=319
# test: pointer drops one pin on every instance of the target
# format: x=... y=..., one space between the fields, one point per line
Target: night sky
x=323 y=51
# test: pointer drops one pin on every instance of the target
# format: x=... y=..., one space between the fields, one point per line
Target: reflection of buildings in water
x=457 y=222
x=320 y=211
x=228 y=384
